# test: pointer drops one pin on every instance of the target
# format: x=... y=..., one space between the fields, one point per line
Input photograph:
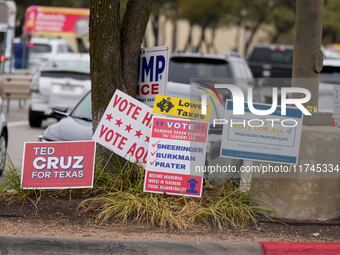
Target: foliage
x=11 y=189
x=219 y=207
x=331 y=21
x=119 y=198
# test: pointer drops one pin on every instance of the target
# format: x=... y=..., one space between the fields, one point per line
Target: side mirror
x=59 y=112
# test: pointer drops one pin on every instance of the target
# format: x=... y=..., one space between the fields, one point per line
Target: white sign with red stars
x=125 y=128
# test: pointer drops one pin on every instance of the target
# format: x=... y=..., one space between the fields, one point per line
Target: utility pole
x=308 y=57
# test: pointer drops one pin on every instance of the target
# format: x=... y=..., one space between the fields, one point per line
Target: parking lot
x=20 y=132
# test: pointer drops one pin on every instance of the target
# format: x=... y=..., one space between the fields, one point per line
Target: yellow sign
x=180 y=107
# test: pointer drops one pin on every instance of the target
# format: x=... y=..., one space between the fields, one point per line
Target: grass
x=125 y=202
x=119 y=198
x=11 y=189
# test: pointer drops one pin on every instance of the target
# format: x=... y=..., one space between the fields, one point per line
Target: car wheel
x=3 y=152
x=35 y=118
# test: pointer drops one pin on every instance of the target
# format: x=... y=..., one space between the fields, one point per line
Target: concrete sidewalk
x=46 y=245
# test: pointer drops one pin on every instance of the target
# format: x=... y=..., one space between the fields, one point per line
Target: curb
x=10 y=244
x=300 y=248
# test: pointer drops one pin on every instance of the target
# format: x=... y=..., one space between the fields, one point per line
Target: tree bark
x=114 y=53
x=134 y=25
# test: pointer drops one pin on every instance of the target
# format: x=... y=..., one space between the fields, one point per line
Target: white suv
x=44 y=49
x=61 y=81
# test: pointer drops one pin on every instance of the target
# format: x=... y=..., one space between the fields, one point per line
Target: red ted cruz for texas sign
x=58 y=165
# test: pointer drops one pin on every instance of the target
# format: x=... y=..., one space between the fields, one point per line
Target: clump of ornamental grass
x=125 y=202
x=11 y=191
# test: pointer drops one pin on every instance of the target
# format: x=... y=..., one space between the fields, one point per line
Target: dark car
x=72 y=127
x=271 y=61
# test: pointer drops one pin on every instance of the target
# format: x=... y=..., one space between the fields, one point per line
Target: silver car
x=62 y=81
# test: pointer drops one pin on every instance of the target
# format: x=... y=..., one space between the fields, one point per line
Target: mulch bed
x=60 y=217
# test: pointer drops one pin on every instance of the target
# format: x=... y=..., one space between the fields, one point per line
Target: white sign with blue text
x=272 y=138
x=153 y=74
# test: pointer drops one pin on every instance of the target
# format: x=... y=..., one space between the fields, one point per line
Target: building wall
x=226 y=38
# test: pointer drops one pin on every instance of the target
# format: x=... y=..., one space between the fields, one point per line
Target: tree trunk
x=189 y=40
x=202 y=39
x=114 y=51
x=174 y=34
x=275 y=37
x=211 y=47
x=253 y=32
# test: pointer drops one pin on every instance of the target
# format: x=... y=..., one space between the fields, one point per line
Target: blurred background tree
x=275 y=17
x=205 y=14
x=331 y=22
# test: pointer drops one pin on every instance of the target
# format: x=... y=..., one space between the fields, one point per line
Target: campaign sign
x=58 y=165
x=269 y=138
x=153 y=74
x=180 y=107
x=125 y=127
x=176 y=148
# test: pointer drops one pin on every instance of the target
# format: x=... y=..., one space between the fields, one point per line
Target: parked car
x=271 y=61
x=3 y=136
x=75 y=126
x=45 y=49
x=187 y=69
x=61 y=81
x=329 y=77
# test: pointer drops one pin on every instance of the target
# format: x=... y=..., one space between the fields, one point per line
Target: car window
x=328 y=71
x=268 y=55
x=41 y=48
x=65 y=74
x=69 y=49
x=83 y=109
x=330 y=74
x=183 y=69
x=60 y=48
x=79 y=65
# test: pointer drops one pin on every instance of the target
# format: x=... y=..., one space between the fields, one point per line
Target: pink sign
x=58 y=165
x=56 y=21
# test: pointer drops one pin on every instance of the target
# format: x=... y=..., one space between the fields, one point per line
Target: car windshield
x=268 y=55
x=183 y=69
x=65 y=74
x=69 y=64
x=84 y=109
x=330 y=71
x=41 y=48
